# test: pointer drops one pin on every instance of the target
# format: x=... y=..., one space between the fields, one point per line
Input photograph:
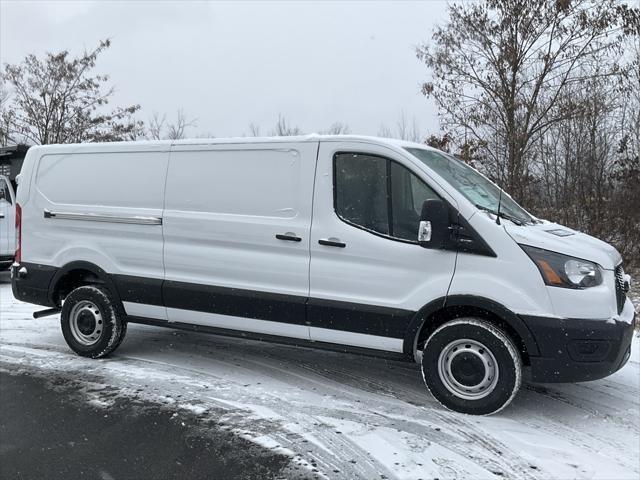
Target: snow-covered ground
x=346 y=416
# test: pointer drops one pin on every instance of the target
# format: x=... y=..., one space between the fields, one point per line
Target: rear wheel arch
x=77 y=274
x=436 y=313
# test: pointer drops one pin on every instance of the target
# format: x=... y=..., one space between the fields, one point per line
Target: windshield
x=479 y=190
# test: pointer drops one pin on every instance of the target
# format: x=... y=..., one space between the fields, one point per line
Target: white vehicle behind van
x=370 y=245
x=7 y=223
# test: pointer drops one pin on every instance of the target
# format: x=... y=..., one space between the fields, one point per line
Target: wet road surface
x=46 y=432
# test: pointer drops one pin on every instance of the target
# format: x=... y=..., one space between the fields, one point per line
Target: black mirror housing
x=434 y=224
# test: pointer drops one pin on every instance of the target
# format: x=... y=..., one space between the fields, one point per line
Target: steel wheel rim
x=470 y=349
x=86 y=323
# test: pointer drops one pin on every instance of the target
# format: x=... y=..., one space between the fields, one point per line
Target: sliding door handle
x=1 y=215
x=332 y=242
x=291 y=237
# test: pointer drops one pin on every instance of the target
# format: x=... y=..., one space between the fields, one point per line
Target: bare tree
x=4 y=101
x=499 y=68
x=282 y=129
x=177 y=129
x=408 y=130
x=159 y=129
x=254 y=130
x=204 y=134
x=55 y=99
x=155 y=126
x=337 y=128
x=626 y=189
x=405 y=129
x=384 y=131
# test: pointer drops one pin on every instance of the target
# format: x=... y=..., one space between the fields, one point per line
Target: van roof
x=314 y=137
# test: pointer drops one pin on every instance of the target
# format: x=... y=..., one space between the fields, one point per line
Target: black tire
x=458 y=367
x=92 y=322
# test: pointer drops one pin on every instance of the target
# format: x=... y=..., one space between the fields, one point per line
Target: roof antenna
x=499 y=203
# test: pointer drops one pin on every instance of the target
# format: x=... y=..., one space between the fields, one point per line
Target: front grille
x=620 y=293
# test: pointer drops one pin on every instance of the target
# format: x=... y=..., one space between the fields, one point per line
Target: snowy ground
x=345 y=416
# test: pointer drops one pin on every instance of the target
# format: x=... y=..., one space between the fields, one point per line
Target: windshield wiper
x=501 y=214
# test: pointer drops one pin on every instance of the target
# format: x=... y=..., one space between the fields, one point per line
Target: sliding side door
x=237 y=223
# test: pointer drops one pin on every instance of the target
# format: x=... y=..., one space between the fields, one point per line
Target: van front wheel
x=92 y=324
x=471 y=366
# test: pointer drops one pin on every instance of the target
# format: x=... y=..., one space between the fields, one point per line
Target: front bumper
x=578 y=350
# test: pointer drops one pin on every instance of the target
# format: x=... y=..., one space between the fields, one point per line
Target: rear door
x=368 y=274
x=7 y=218
x=237 y=223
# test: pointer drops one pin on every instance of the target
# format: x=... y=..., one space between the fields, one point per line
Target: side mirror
x=433 y=231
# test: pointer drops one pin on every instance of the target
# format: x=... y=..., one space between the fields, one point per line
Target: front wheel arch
x=439 y=311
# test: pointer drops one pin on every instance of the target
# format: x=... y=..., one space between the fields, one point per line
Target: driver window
x=379 y=195
x=408 y=193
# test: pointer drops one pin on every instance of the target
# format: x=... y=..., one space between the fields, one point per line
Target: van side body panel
x=93 y=205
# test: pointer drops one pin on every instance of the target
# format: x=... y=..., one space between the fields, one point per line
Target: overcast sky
x=230 y=64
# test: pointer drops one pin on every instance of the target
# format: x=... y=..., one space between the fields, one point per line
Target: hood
x=561 y=239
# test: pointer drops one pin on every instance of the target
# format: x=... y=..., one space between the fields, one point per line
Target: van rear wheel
x=471 y=366
x=92 y=324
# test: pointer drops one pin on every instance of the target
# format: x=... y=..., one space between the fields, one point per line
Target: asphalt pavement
x=48 y=432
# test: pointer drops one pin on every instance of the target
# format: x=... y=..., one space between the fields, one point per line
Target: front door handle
x=332 y=242
x=291 y=237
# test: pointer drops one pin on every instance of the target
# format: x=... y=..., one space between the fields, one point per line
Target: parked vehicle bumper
x=578 y=350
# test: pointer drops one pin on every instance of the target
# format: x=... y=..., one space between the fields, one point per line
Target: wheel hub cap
x=468 y=369
x=86 y=323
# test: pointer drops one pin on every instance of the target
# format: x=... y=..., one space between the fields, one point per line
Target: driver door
x=368 y=275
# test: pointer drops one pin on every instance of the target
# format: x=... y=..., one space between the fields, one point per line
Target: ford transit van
x=352 y=243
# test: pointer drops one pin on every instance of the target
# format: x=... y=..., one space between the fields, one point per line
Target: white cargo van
x=351 y=243
x=7 y=222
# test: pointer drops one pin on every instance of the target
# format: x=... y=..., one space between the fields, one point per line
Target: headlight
x=563 y=271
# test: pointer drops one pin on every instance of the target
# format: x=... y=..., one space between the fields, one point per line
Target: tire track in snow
x=604 y=445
